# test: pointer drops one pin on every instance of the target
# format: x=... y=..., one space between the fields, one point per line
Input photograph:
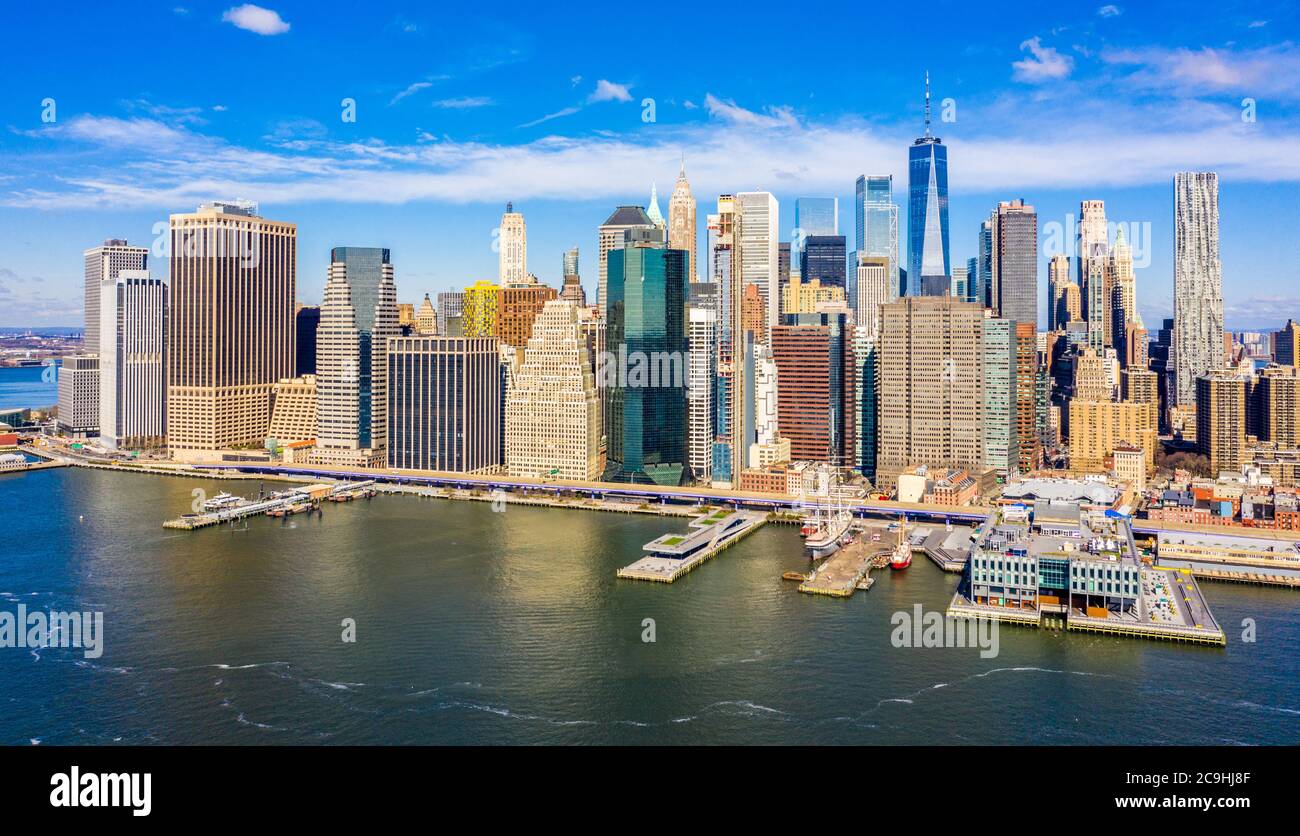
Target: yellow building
x=482 y=304
x=803 y=297
x=1098 y=428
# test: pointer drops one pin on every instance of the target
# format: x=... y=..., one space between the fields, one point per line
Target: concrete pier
x=672 y=555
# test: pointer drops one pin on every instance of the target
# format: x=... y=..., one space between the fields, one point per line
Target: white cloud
x=567 y=111
x=609 y=91
x=1109 y=10
x=1043 y=63
x=256 y=19
x=464 y=102
x=730 y=111
x=1273 y=70
x=411 y=89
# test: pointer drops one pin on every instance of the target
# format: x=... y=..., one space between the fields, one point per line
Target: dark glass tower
x=645 y=374
x=824 y=258
x=927 y=211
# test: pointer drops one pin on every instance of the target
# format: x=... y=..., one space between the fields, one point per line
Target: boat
x=902 y=557
x=831 y=532
x=221 y=501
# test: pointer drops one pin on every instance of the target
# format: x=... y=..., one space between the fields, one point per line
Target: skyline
x=1104 y=110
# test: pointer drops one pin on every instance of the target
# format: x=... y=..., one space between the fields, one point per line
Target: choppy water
x=480 y=627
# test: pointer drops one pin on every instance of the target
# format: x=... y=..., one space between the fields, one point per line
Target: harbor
x=670 y=556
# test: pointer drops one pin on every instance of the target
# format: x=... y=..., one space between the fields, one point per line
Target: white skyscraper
x=512 y=247
x=702 y=333
x=875 y=288
x=552 y=423
x=766 y=430
x=103 y=263
x=1198 y=282
x=132 y=361
x=759 y=222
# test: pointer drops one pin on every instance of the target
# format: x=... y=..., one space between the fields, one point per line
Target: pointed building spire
x=510 y=207
x=653 y=209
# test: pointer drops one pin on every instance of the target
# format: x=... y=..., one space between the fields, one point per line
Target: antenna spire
x=927 y=104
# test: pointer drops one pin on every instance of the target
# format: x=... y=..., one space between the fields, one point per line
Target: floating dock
x=672 y=555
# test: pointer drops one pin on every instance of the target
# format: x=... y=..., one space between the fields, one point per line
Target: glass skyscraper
x=646 y=405
x=812 y=216
x=876 y=219
x=927 y=210
x=823 y=258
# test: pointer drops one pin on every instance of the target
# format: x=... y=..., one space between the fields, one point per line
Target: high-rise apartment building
x=132 y=361
x=444 y=404
x=1098 y=428
x=724 y=271
x=998 y=365
x=1027 y=415
x=552 y=416
x=481 y=307
x=1221 y=419
x=512 y=247
x=1286 y=344
x=358 y=317
x=927 y=210
x=646 y=421
x=231 y=329
x=1279 y=397
x=1198 y=282
x=702 y=336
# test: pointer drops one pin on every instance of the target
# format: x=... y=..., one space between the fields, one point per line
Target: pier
x=670 y=556
x=279 y=505
x=844 y=572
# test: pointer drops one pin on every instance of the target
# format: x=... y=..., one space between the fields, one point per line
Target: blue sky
x=460 y=107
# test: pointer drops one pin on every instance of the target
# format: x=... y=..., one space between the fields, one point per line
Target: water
x=479 y=627
x=24 y=388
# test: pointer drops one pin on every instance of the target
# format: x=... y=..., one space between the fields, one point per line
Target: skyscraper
x=132 y=361
x=1058 y=276
x=552 y=417
x=702 y=334
x=999 y=391
x=758 y=230
x=610 y=236
x=1198 y=282
x=231 y=328
x=682 y=230
x=444 y=404
x=103 y=263
x=1221 y=419
x=1093 y=258
x=812 y=216
x=1016 y=259
x=652 y=211
x=930 y=384
x=865 y=399
x=815 y=369
x=358 y=316
x=482 y=305
x=876 y=217
x=451 y=305
x=823 y=259
x=306 y=321
x=646 y=422
x=724 y=271
x=927 y=209
x=519 y=307
x=512 y=247
x=874 y=288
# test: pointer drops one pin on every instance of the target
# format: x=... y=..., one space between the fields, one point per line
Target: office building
x=682 y=231
x=132 y=361
x=927 y=211
x=358 y=317
x=823 y=259
x=758 y=230
x=519 y=307
x=104 y=263
x=876 y=225
x=512 y=247
x=79 y=386
x=231 y=334
x=813 y=216
x=702 y=336
x=306 y=322
x=646 y=420
x=445 y=404
x=1016 y=262
x=552 y=415
x=610 y=236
